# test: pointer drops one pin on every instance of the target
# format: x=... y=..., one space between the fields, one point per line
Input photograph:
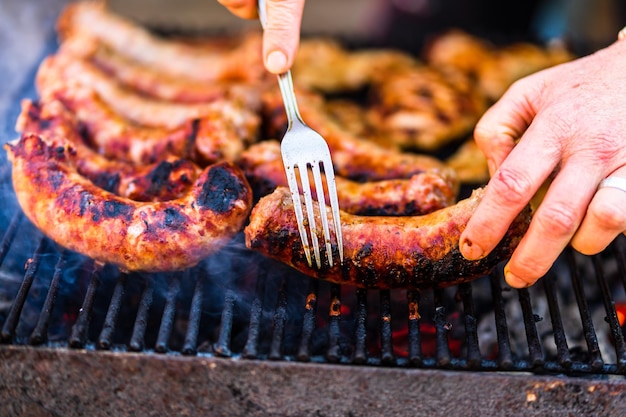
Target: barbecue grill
x=243 y=335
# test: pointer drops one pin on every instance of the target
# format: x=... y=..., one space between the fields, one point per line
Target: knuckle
x=558 y=219
x=529 y=271
x=609 y=215
x=512 y=187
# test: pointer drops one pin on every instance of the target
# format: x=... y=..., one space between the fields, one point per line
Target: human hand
x=571 y=123
x=281 y=35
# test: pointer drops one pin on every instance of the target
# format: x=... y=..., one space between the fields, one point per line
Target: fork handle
x=285 y=82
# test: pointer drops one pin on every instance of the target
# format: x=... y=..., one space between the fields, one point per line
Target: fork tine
x=308 y=202
x=292 y=180
x=334 y=205
x=319 y=190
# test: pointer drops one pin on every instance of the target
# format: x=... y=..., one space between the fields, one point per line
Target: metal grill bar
x=80 y=328
x=136 y=343
x=308 y=321
x=40 y=332
x=611 y=316
x=10 y=325
x=557 y=324
x=190 y=346
x=280 y=317
x=333 y=353
x=505 y=360
x=104 y=342
x=595 y=358
x=471 y=331
x=415 y=338
x=9 y=235
x=360 y=330
x=530 y=327
x=169 y=312
x=386 y=335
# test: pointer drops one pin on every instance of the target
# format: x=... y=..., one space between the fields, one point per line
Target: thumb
x=282 y=34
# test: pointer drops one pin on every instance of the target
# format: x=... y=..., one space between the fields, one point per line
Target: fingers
x=554 y=223
x=509 y=190
x=605 y=217
x=282 y=34
x=246 y=9
x=504 y=123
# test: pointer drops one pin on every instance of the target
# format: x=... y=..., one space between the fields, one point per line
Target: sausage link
x=382 y=252
x=135 y=236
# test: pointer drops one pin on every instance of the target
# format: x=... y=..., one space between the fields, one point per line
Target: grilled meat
x=207 y=138
x=140 y=236
x=354 y=157
x=208 y=62
x=382 y=252
x=165 y=180
x=420 y=194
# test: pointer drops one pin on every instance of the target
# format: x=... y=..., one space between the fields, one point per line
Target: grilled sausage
x=206 y=139
x=204 y=62
x=420 y=194
x=160 y=181
x=353 y=157
x=382 y=252
x=161 y=236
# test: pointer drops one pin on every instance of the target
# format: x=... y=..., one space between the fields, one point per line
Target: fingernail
x=276 y=62
x=471 y=251
x=514 y=281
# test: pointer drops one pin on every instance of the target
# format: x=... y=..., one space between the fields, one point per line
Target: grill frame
x=258 y=377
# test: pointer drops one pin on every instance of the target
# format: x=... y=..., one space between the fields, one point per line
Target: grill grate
x=258 y=309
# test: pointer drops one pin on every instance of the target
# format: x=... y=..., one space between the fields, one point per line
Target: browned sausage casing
x=383 y=252
x=136 y=236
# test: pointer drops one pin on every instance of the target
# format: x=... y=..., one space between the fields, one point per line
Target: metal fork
x=304 y=149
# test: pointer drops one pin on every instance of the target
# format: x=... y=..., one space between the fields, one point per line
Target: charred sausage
x=160 y=181
x=161 y=236
x=382 y=252
x=420 y=194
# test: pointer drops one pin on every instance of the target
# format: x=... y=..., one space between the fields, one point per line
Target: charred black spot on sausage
x=221 y=190
x=117 y=209
x=158 y=177
x=108 y=181
x=174 y=219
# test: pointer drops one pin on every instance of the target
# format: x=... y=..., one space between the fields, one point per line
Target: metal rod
x=595 y=357
x=441 y=330
x=106 y=334
x=557 y=324
x=530 y=326
x=141 y=321
x=386 y=333
x=9 y=235
x=169 y=313
x=79 y=330
x=190 y=346
x=611 y=315
x=505 y=358
x=250 y=350
x=40 y=333
x=222 y=346
x=360 y=328
x=308 y=321
x=415 y=337
x=333 y=354
x=278 y=321
x=8 y=329
x=471 y=330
